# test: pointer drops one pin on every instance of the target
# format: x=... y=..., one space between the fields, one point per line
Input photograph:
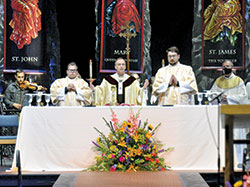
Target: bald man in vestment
x=175 y=83
x=119 y=88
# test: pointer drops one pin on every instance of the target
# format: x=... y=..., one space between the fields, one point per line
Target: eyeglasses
x=72 y=70
x=172 y=56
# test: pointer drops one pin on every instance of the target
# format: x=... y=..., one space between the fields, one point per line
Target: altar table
x=60 y=138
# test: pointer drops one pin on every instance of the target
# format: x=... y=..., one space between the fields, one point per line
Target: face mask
x=227 y=71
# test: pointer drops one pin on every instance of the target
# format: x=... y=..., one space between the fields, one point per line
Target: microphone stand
x=218 y=135
x=218 y=146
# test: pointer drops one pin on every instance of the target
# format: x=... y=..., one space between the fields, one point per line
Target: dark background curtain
x=171 y=24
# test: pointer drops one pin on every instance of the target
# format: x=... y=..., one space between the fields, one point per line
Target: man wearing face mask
x=231 y=86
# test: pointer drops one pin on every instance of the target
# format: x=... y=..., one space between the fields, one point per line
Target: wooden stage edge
x=131 y=179
x=169 y=178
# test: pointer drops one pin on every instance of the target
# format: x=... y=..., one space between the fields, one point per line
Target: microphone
x=217 y=97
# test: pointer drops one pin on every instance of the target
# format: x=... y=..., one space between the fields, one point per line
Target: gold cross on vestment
x=127 y=34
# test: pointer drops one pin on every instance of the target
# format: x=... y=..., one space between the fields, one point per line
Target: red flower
x=122 y=159
x=112 y=168
x=154 y=154
x=157 y=160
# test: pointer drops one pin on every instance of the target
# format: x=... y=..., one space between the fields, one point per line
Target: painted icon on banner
x=25 y=22
x=116 y=17
x=24 y=39
x=222 y=33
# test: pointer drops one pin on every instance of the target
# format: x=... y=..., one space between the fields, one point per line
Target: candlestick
x=90 y=69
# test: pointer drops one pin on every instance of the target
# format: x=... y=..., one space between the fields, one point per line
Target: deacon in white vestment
x=119 y=88
x=174 y=83
x=71 y=90
x=231 y=87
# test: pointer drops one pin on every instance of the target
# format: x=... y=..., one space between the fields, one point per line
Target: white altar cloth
x=59 y=138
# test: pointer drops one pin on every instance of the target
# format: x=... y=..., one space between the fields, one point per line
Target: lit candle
x=90 y=69
x=163 y=62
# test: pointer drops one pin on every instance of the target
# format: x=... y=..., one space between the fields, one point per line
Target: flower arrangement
x=241 y=183
x=128 y=147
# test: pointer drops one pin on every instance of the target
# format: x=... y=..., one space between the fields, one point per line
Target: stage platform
x=168 y=178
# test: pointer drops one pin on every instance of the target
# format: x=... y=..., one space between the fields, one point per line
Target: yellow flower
x=123 y=144
x=98 y=139
x=113 y=148
x=238 y=184
x=148 y=135
x=109 y=156
x=129 y=125
x=136 y=137
x=111 y=136
x=124 y=124
x=150 y=127
x=122 y=129
x=119 y=165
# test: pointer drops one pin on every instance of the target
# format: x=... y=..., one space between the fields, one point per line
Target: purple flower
x=161 y=150
x=228 y=184
x=139 y=124
x=96 y=144
x=111 y=125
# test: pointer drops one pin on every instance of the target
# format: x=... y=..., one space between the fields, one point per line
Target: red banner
x=24 y=41
x=122 y=32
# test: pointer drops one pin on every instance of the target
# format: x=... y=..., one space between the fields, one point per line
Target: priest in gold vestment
x=119 y=88
x=71 y=90
x=174 y=83
x=231 y=86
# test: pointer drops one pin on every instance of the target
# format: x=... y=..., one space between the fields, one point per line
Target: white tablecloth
x=59 y=138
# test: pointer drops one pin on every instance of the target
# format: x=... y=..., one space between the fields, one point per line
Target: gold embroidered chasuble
x=172 y=95
x=127 y=86
x=81 y=97
x=233 y=87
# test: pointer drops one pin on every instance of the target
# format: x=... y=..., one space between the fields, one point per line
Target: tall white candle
x=163 y=62
x=90 y=69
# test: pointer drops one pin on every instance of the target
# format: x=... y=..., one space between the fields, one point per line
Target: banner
x=24 y=36
x=121 y=34
x=223 y=35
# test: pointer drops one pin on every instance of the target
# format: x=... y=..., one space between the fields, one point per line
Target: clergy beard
x=173 y=64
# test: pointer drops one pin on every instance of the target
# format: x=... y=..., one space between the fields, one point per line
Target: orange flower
x=148 y=135
x=124 y=124
x=122 y=129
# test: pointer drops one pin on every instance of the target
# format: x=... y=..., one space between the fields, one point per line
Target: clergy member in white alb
x=71 y=90
x=119 y=88
x=231 y=86
x=174 y=83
